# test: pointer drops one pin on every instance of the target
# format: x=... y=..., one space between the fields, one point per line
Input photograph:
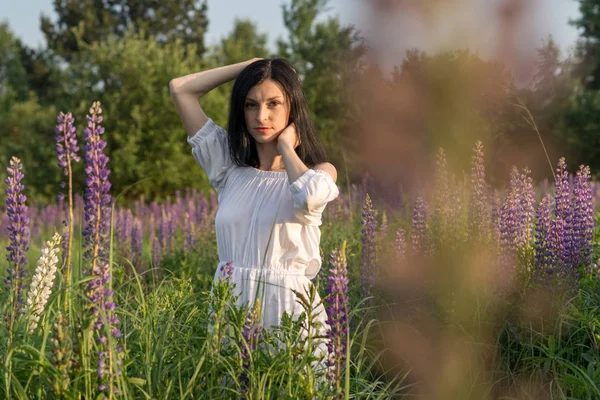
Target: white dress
x=267 y=227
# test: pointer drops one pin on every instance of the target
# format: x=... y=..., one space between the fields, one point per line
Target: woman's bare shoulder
x=329 y=168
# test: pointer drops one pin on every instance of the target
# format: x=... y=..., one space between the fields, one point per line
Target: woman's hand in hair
x=288 y=138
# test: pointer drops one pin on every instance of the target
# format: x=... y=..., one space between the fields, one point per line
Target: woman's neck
x=268 y=157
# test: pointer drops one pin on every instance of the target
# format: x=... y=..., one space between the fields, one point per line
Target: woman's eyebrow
x=271 y=98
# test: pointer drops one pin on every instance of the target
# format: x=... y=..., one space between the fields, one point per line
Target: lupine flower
x=400 y=244
x=563 y=199
x=227 y=270
x=66 y=141
x=418 y=233
x=383 y=228
x=559 y=244
x=164 y=231
x=137 y=233
x=251 y=333
x=124 y=222
x=336 y=303
x=495 y=214
x=545 y=248
x=369 y=250
x=97 y=220
x=18 y=229
x=66 y=151
x=478 y=211
x=583 y=218
x=61 y=355
x=441 y=217
x=189 y=233
x=41 y=283
x=516 y=216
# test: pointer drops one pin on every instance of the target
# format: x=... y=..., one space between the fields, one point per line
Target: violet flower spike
x=479 y=219
x=369 y=247
x=564 y=211
x=66 y=141
x=400 y=244
x=336 y=303
x=545 y=249
x=582 y=219
x=97 y=226
x=18 y=228
x=418 y=233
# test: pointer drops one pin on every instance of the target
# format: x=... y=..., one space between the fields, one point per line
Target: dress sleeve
x=210 y=148
x=310 y=194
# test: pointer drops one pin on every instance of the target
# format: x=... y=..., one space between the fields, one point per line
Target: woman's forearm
x=200 y=83
x=293 y=164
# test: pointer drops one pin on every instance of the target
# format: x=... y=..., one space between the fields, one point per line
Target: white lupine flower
x=42 y=281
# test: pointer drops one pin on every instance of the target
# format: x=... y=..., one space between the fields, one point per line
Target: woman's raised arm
x=186 y=90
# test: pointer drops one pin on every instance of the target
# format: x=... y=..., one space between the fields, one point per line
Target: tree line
x=124 y=53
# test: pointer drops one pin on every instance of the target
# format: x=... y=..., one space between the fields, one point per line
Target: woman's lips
x=262 y=129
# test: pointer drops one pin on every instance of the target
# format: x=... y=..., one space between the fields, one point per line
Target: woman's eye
x=249 y=105
x=275 y=103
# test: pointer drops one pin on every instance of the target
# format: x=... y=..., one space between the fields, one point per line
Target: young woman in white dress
x=273 y=181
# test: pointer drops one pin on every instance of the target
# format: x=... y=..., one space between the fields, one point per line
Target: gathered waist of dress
x=290 y=268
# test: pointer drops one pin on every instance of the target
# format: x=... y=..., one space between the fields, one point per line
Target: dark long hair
x=311 y=151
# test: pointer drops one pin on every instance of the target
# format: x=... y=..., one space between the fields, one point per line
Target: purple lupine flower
x=418 y=233
x=67 y=151
x=516 y=216
x=97 y=224
x=400 y=244
x=527 y=199
x=227 y=270
x=545 y=247
x=369 y=250
x=336 y=303
x=441 y=217
x=16 y=210
x=495 y=214
x=582 y=218
x=137 y=239
x=189 y=235
x=563 y=199
x=164 y=231
x=66 y=141
x=252 y=334
x=478 y=209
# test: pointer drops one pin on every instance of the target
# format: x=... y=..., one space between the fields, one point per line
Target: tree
x=27 y=132
x=580 y=128
x=587 y=66
x=13 y=76
x=96 y=20
x=327 y=57
x=242 y=44
x=130 y=76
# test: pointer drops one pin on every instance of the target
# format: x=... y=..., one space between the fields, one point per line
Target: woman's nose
x=263 y=113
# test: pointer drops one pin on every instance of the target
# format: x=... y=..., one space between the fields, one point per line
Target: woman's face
x=266 y=107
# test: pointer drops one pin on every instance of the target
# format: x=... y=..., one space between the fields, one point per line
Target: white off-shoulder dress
x=266 y=226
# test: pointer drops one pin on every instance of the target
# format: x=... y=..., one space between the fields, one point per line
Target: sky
x=550 y=17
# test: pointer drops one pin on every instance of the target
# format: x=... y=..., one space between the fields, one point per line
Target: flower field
x=460 y=291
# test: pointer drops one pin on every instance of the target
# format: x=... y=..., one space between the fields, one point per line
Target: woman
x=272 y=178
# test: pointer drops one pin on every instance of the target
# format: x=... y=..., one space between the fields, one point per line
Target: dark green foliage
x=97 y=20
x=13 y=76
x=27 y=131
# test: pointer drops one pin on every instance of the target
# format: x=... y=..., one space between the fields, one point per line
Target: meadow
x=460 y=291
